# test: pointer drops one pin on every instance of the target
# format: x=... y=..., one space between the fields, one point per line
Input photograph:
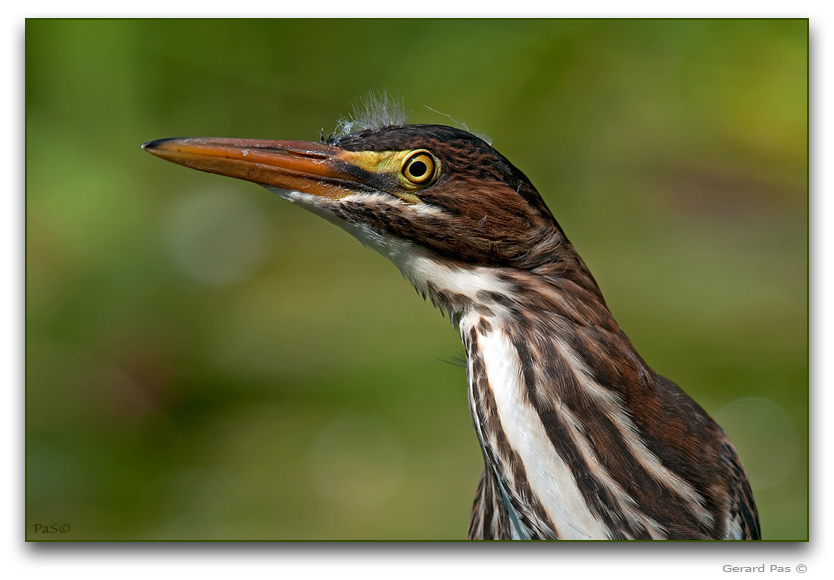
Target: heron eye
x=419 y=167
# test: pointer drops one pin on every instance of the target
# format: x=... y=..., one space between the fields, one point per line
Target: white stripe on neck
x=550 y=478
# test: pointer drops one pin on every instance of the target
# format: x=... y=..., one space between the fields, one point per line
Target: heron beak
x=314 y=168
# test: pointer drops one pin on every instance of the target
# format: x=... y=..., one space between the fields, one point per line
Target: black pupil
x=418 y=168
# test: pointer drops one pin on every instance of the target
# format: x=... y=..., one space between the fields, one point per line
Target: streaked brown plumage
x=581 y=439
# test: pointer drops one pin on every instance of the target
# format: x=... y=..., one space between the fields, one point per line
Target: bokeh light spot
x=216 y=237
x=765 y=436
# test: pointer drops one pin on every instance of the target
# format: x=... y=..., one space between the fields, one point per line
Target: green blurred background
x=205 y=361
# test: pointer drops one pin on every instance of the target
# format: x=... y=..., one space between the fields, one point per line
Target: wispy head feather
x=375 y=110
x=461 y=125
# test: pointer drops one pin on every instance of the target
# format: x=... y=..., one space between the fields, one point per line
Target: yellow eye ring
x=419 y=167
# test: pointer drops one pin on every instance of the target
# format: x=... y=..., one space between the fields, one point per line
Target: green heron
x=580 y=438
